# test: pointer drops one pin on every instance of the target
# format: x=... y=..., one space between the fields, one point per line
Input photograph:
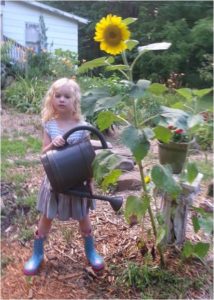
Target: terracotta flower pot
x=173 y=154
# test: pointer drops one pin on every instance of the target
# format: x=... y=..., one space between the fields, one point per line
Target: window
x=32 y=36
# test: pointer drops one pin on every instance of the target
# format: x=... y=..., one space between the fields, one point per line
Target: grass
x=156 y=283
x=18 y=147
x=16 y=169
x=26 y=234
x=13 y=154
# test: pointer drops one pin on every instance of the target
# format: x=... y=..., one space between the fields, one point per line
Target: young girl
x=61 y=112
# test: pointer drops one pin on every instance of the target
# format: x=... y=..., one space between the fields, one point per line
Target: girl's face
x=62 y=100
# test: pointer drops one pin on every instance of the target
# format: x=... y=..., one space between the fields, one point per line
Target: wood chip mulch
x=65 y=273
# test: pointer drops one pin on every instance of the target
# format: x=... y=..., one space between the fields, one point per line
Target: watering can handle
x=89 y=128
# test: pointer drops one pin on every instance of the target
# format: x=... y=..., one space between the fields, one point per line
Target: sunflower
x=112 y=33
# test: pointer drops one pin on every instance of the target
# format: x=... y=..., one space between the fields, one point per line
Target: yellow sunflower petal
x=112 y=33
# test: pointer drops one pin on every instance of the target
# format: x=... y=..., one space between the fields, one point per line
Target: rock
x=122 y=151
x=125 y=165
x=97 y=144
x=129 y=181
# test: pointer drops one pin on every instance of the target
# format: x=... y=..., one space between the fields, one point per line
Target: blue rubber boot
x=31 y=267
x=95 y=260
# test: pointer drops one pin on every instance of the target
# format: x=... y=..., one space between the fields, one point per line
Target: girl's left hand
x=58 y=141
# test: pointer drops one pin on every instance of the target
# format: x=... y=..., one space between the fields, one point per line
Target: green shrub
x=112 y=83
x=26 y=94
x=204 y=136
x=64 y=63
x=58 y=64
x=38 y=64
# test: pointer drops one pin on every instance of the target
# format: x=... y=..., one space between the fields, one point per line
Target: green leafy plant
x=26 y=94
x=63 y=63
x=151 y=280
x=136 y=134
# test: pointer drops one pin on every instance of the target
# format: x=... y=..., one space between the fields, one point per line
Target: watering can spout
x=115 y=202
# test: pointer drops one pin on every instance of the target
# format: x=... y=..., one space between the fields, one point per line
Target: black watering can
x=69 y=166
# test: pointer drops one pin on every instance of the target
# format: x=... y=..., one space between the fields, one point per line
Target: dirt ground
x=65 y=273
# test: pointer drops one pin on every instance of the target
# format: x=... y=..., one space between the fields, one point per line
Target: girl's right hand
x=58 y=141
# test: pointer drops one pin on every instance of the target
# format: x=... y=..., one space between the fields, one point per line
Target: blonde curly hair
x=48 y=111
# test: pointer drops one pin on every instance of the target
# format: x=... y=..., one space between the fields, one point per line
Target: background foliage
x=186 y=24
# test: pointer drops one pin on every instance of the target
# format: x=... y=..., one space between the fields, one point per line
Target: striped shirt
x=52 y=129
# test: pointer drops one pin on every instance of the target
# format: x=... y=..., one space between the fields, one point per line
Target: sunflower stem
x=151 y=215
x=124 y=74
x=135 y=113
x=150 y=118
x=122 y=119
x=136 y=59
x=124 y=57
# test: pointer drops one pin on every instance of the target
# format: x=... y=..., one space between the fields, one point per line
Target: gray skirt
x=62 y=206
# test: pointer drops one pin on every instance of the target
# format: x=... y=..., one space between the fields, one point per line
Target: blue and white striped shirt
x=53 y=130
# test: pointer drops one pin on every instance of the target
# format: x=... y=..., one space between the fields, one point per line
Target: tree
x=186 y=24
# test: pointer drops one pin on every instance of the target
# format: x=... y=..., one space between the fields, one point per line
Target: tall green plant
x=136 y=134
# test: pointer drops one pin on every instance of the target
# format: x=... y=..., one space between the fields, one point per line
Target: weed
x=26 y=234
x=67 y=234
x=28 y=205
x=29 y=201
x=5 y=260
x=156 y=283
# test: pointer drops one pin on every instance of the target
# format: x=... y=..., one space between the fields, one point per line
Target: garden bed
x=65 y=273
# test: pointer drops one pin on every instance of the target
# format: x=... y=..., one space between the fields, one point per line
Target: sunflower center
x=113 y=35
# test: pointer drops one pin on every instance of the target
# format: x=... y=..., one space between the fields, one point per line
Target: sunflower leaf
x=116 y=67
x=163 y=179
x=155 y=46
x=157 y=88
x=192 y=171
x=98 y=62
x=163 y=134
x=111 y=179
x=105 y=119
x=202 y=93
x=131 y=44
x=136 y=207
x=136 y=141
x=129 y=21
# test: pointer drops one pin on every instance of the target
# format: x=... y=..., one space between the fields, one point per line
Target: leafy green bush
x=112 y=83
x=26 y=94
x=64 y=63
x=204 y=136
x=38 y=64
x=58 y=64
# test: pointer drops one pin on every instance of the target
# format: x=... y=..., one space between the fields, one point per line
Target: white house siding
x=62 y=33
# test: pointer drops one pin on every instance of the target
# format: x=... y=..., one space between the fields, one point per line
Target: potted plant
x=175 y=133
